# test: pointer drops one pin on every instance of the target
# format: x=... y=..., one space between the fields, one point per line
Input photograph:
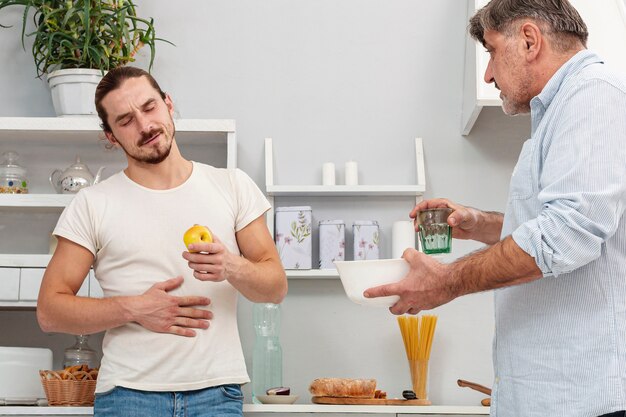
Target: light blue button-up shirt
x=560 y=342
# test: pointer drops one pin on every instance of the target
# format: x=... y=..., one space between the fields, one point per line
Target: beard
x=511 y=107
x=517 y=99
x=154 y=155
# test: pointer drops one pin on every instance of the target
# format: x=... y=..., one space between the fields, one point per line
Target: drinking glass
x=434 y=231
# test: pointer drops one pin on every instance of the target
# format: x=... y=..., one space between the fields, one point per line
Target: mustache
x=496 y=84
x=145 y=137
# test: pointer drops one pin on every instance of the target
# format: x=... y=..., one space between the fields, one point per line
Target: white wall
x=329 y=81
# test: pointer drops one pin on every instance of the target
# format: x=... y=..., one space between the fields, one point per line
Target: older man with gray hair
x=557 y=257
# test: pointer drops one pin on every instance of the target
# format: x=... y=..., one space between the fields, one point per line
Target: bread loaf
x=343 y=387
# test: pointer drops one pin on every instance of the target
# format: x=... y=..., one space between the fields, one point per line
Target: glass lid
x=9 y=166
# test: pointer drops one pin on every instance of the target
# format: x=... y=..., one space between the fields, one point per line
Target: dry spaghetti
x=417 y=335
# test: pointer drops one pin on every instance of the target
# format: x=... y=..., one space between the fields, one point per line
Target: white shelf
x=280 y=409
x=365 y=409
x=272 y=190
x=17 y=305
x=345 y=190
x=86 y=130
x=35 y=200
x=92 y=124
x=312 y=274
x=24 y=260
x=45 y=411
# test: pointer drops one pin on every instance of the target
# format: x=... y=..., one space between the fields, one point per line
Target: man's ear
x=169 y=103
x=533 y=40
x=110 y=138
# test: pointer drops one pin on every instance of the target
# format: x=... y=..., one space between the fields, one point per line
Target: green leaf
x=85 y=33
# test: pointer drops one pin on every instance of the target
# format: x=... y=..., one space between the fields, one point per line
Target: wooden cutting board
x=367 y=401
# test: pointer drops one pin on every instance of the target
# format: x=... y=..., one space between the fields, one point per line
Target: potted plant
x=77 y=41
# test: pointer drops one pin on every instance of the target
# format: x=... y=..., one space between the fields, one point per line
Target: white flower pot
x=73 y=91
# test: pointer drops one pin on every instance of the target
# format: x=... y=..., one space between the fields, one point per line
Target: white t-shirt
x=136 y=236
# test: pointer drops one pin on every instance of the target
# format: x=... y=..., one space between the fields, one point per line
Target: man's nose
x=489 y=74
x=144 y=123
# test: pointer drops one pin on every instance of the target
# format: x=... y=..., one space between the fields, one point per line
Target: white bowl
x=357 y=276
x=277 y=399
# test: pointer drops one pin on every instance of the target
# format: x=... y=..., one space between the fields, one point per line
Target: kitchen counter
x=253 y=409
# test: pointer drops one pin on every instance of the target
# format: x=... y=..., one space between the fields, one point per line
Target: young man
x=171 y=345
x=558 y=256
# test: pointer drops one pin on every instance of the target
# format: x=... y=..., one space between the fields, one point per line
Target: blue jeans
x=220 y=401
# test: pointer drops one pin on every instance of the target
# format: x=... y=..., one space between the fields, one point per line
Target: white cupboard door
x=30 y=281
x=95 y=291
x=9 y=284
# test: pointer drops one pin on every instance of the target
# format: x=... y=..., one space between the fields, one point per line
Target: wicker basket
x=69 y=389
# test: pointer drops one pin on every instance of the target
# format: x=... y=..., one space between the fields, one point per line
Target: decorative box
x=293 y=236
x=366 y=238
x=332 y=242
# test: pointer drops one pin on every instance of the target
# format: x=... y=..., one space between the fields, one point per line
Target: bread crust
x=343 y=387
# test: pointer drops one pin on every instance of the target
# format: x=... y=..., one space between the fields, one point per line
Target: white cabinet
x=10 y=287
x=21 y=276
x=46 y=143
x=30 y=281
x=606 y=23
x=274 y=191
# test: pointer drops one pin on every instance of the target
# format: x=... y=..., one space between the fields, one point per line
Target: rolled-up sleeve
x=581 y=180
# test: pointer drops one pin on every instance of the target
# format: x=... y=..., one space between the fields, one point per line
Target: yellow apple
x=197 y=234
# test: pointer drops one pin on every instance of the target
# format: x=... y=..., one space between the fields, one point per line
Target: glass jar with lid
x=80 y=354
x=12 y=175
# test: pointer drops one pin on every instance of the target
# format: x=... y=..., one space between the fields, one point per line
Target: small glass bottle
x=80 y=354
x=267 y=358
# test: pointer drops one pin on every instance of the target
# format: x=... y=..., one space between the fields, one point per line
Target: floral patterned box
x=293 y=237
x=366 y=238
x=332 y=243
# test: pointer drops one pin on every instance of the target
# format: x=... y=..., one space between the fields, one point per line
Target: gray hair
x=558 y=19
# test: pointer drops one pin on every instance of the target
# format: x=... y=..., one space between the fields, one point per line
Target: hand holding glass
x=435 y=233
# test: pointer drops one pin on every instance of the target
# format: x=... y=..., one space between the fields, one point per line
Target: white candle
x=352 y=173
x=402 y=237
x=328 y=173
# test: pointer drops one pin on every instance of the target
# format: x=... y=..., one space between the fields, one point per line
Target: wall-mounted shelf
x=24 y=260
x=35 y=200
x=357 y=191
x=22 y=273
x=606 y=23
x=344 y=190
x=273 y=190
x=72 y=130
x=249 y=409
x=312 y=274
